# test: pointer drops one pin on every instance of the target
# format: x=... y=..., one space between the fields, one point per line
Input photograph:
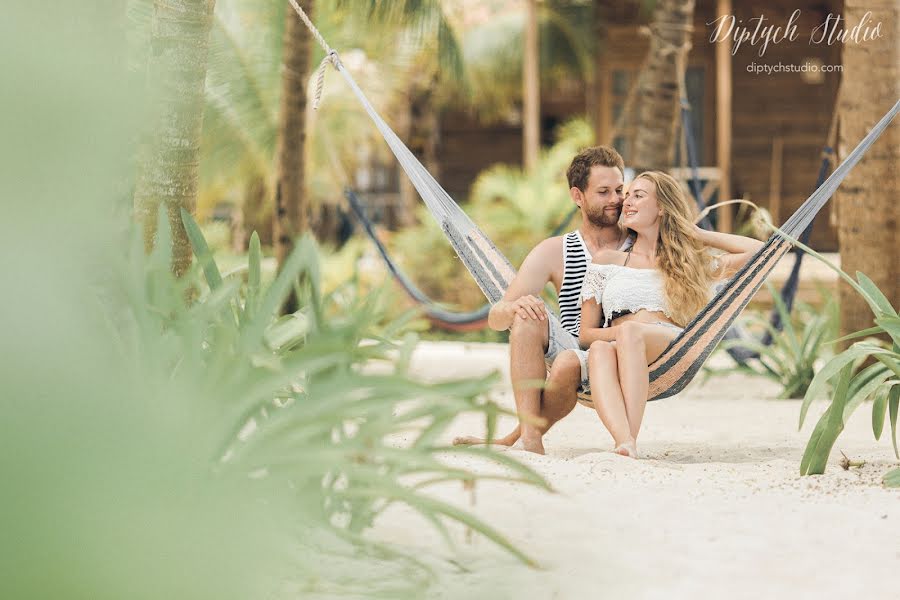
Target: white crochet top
x=618 y=288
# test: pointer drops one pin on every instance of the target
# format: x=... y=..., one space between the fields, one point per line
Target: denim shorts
x=561 y=340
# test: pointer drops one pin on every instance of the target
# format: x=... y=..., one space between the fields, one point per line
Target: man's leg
x=558 y=399
x=561 y=393
x=528 y=340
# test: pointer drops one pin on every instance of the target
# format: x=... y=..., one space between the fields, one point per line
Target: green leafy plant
x=359 y=412
x=791 y=357
x=867 y=370
x=239 y=454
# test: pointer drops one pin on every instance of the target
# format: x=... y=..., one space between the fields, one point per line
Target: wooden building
x=764 y=132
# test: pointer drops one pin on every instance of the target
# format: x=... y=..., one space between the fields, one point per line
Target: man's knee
x=528 y=329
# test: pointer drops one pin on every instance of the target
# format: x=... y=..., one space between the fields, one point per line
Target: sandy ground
x=715 y=509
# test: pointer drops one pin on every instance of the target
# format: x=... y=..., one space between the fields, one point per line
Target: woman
x=635 y=302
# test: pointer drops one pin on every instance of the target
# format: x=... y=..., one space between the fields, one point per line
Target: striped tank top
x=576 y=259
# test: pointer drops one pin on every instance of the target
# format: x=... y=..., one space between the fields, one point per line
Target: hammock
x=477 y=319
x=741 y=354
x=493 y=272
x=443 y=318
x=791 y=284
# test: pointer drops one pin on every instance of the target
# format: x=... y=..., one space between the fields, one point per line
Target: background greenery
x=156 y=448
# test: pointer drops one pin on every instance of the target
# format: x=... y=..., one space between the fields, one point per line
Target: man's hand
x=529 y=307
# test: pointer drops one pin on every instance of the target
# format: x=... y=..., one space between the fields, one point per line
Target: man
x=596 y=183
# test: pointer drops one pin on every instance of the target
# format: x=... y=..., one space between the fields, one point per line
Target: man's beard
x=601 y=218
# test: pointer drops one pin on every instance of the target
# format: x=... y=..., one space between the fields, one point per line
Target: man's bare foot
x=532 y=442
x=507 y=440
x=628 y=449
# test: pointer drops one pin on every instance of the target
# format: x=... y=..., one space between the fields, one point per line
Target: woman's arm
x=738 y=248
x=590 y=330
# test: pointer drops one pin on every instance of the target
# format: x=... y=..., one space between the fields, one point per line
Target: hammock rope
x=446 y=319
x=684 y=356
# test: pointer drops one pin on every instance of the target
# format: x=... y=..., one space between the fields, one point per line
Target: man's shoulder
x=549 y=247
x=546 y=256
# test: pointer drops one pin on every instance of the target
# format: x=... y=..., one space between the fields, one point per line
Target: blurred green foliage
x=156 y=449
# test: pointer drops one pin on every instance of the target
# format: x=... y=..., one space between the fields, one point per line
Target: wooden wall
x=783 y=105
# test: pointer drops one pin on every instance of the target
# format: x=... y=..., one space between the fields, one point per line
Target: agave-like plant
x=208 y=449
x=791 y=358
x=329 y=412
x=854 y=380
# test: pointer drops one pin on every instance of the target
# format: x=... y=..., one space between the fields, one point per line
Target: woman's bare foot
x=628 y=449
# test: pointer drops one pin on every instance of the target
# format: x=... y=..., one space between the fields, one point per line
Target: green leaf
x=832 y=367
x=300 y=260
x=201 y=250
x=863 y=385
x=832 y=426
x=893 y=406
x=879 y=410
x=877 y=296
x=254 y=264
x=891 y=325
x=423 y=504
x=892 y=478
x=859 y=334
x=890 y=361
x=287 y=331
x=814 y=442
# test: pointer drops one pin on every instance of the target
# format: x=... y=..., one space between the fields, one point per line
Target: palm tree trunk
x=657 y=87
x=867 y=210
x=291 y=207
x=531 y=90
x=419 y=126
x=169 y=161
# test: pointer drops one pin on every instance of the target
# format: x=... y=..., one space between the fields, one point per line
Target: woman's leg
x=638 y=345
x=603 y=374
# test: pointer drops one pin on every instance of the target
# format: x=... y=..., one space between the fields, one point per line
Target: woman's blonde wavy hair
x=685 y=264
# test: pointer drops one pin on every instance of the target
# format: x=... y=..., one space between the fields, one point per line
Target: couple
x=635 y=272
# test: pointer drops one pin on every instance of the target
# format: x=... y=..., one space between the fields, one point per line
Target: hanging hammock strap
x=456 y=321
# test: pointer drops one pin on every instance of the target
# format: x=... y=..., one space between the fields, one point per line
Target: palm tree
x=658 y=84
x=531 y=89
x=495 y=70
x=291 y=205
x=169 y=163
x=382 y=45
x=867 y=210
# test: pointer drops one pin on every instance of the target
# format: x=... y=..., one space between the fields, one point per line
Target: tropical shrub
x=867 y=370
x=208 y=449
x=795 y=350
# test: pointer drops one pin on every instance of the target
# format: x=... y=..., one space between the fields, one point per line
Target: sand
x=715 y=508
